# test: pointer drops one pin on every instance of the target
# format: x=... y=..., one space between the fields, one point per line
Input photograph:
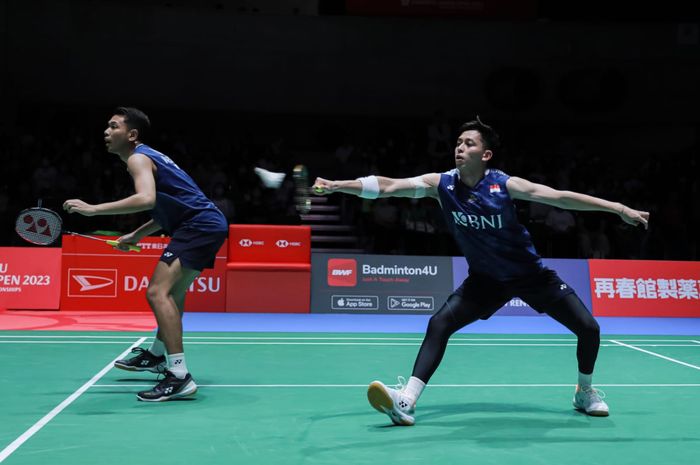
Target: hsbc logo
x=342 y=272
x=283 y=244
x=92 y=282
x=250 y=242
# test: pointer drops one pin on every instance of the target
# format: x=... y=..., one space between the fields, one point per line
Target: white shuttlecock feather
x=269 y=178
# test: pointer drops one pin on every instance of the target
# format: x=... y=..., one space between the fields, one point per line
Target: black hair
x=135 y=119
x=490 y=137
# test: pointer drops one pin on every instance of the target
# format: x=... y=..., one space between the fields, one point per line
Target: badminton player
x=477 y=203
x=197 y=229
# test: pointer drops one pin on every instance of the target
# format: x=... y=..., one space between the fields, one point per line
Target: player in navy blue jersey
x=197 y=229
x=477 y=203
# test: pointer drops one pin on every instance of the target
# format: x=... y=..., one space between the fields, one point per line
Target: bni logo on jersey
x=342 y=272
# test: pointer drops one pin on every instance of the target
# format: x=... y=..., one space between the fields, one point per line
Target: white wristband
x=370 y=187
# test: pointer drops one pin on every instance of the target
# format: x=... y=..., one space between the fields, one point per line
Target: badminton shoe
x=591 y=401
x=143 y=361
x=392 y=402
x=170 y=387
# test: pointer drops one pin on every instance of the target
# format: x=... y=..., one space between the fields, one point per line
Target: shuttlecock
x=269 y=178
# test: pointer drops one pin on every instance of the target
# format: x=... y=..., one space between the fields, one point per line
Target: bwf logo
x=342 y=272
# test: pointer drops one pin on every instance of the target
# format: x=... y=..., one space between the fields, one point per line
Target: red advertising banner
x=264 y=257
x=503 y=9
x=97 y=277
x=645 y=288
x=30 y=278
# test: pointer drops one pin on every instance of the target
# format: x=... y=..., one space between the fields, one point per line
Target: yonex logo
x=563 y=286
x=451 y=187
x=168 y=254
x=168 y=390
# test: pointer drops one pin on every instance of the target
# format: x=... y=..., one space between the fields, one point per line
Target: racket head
x=39 y=226
x=302 y=195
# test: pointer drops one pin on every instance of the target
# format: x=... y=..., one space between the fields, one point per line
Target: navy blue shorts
x=488 y=295
x=195 y=249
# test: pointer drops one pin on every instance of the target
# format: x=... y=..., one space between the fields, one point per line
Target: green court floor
x=300 y=399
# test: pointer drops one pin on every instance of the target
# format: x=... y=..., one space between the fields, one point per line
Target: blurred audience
x=71 y=162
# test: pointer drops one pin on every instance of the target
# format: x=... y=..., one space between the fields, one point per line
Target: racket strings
x=38 y=226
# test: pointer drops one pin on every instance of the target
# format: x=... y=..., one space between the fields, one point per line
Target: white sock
x=177 y=365
x=585 y=381
x=157 y=347
x=414 y=388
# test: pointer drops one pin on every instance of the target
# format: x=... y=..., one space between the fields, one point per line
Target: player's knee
x=440 y=323
x=590 y=329
x=155 y=294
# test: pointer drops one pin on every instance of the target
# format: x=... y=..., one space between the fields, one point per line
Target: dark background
x=596 y=97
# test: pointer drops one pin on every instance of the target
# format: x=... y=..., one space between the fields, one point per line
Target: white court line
x=7 y=451
x=365 y=385
x=326 y=338
x=656 y=355
x=396 y=344
x=64 y=342
x=343 y=338
x=74 y=336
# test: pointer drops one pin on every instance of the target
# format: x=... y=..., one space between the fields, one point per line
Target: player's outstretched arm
x=372 y=187
x=141 y=169
x=523 y=189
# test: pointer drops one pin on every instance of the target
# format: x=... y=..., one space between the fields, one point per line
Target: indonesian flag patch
x=494 y=188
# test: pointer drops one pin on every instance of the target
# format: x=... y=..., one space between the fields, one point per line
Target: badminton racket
x=42 y=226
x=302 y=191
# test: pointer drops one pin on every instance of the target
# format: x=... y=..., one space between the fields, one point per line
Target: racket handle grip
x=131 y=247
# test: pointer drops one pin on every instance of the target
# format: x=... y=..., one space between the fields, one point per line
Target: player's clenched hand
x=125 y=241
x=634 y=217
x=78 y=206
x=322 y=186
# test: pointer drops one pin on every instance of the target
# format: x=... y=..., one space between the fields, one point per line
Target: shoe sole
x=130 y=368
x=381 y=401
x=592 y=413
x=190 y=389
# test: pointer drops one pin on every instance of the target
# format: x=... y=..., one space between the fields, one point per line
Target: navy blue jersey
x=484 y=223
x=179 y=201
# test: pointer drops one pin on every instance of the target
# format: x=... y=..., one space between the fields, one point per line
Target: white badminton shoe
x=392 y=402
x=270 y=179
x=591 y=401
